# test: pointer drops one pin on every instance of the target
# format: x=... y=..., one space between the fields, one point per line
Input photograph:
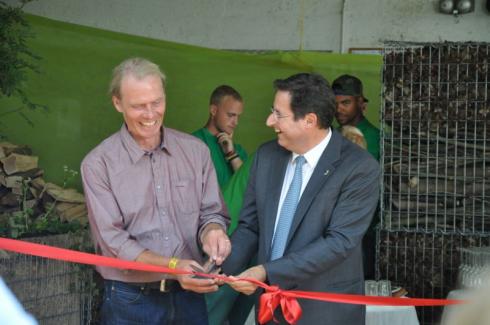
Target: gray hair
x=136 y=67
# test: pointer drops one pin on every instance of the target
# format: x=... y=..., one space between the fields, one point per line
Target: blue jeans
x=129 y=305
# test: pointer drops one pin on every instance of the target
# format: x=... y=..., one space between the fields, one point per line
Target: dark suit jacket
x=323 y=252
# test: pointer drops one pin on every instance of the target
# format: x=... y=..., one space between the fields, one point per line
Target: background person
x=350 y=107
x=225 y=109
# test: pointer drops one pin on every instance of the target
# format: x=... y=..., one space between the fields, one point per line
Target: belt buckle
x=163 y=287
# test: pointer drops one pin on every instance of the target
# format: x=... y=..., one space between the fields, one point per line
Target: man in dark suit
x=310 y=199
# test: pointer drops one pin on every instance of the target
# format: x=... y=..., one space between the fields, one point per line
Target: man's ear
x=213 y=109
x=117 y=104
x=362 y=104
x=311 y=120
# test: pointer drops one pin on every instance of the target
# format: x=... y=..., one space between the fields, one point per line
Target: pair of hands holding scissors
x=217 y=246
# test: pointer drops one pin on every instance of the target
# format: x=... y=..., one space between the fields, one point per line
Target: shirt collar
x=134 y=150
x=313 y=155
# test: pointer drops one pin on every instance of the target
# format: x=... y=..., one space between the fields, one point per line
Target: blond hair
x=136 y=67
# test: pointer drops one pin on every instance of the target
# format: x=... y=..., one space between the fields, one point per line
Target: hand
x=216 y=243
x=188 y=282
x=245 y=287
x=225 y=141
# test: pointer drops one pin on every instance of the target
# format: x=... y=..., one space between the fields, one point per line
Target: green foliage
x=15 y=57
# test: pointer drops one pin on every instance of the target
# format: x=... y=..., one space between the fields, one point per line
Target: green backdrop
x=76 y=68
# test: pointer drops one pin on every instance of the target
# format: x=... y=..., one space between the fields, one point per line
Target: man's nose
x=270 y=120
x=149 y=111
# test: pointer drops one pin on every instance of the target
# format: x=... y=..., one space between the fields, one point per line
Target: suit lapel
x=324 y=168
x=277 y=170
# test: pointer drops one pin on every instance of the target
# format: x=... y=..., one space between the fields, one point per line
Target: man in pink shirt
x=153 y=197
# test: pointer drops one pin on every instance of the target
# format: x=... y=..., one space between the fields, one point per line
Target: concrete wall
x=368 y=23
x=222 y=24
x=329 y=25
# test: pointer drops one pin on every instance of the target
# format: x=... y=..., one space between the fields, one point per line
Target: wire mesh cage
x=54 y=292
x=435 y=139
x=435 y=158
x=425 y=264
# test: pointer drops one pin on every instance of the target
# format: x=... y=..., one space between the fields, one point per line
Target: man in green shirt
x=350 y=108
x=225 y=108
x=351 y=105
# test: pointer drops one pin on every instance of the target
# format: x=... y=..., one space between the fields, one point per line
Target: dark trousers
x=126 y=304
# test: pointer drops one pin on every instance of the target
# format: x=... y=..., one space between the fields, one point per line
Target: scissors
x=212 y=268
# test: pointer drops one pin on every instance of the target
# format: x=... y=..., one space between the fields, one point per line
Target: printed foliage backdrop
x=76 y=68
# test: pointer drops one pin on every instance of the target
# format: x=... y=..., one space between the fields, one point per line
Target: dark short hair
x=310 y=93
x=222 y=91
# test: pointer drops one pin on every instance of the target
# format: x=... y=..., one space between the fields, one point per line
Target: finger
x=220 y=282
x=200 y=285
x=201 y=289
x=224 y=250
x=189 y=281
x=243 y=287
x=213 y=249
x=248 y=288
x=209 y=289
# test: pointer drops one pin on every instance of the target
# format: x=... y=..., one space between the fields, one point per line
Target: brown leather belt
x=162 y=286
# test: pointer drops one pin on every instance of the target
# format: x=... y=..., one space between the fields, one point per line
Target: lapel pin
x=326 y=172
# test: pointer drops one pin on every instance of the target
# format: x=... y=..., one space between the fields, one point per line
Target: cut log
x=3 y=190
x=62 y=206
x=18 y=163
x=35 y=192
x=64 y=195
x=4 y=209
x=12 y=181
x=17 y=190
x=31 y=173
x=38 y=183
x=71 y=211
x=6 y=148
x=29 y=204
x=10 y=199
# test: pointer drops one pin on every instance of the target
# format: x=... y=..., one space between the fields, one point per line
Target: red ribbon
x=269 y=301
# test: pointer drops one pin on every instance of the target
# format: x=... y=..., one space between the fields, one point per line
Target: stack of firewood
x=437 y=137
x=23 y=187
x=436 y=165
x=438 y=89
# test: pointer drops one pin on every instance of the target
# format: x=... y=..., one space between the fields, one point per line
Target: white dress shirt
x=312 y=156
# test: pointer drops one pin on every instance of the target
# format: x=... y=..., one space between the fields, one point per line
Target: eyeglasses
x=277 y=115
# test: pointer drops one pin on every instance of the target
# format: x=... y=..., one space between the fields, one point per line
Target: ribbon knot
x=269 y=301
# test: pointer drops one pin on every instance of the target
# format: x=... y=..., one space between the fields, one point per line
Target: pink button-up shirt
x=158 y=200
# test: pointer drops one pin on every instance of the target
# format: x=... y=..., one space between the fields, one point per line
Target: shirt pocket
x=185 y=199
